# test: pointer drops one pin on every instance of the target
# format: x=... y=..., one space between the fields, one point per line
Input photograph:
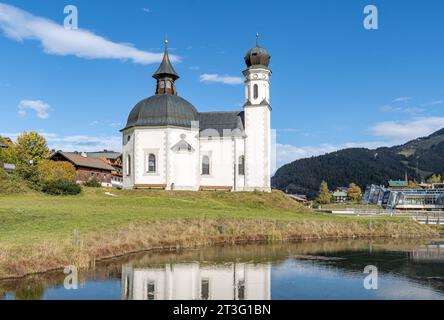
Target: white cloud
x=433 y=103
x=84 y=143
x=78 y=142
x=20 y=25
x=106 y=123
x=147 y=10
x=406 y=110
x=216 y=78
x=286 y=153
x=41 y=108
x=403 y=131
x=397 y=107
x=401 y=99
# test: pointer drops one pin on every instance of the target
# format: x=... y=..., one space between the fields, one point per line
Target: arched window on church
x=256 y=91
x=241 y=165
x=128 y=165
x=205 y=165
x=151 y=163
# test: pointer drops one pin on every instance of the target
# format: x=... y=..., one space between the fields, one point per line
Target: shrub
x=10 y=184
x=48 y=171
x=92 y=183
x=61 y=188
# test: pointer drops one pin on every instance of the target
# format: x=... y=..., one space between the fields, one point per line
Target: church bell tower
x=257 y=111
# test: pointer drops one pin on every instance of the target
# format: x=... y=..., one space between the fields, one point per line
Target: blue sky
x=334 y=85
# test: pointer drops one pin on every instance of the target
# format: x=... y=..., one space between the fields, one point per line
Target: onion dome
x=257 y=56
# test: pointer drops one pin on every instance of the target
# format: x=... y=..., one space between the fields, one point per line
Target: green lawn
x=33 y=217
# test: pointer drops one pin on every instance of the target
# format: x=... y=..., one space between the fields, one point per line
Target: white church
x=168 y=144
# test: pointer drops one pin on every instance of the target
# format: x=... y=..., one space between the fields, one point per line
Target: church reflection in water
x=194 y=281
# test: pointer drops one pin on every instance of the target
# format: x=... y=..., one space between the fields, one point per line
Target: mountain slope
x=419 y=158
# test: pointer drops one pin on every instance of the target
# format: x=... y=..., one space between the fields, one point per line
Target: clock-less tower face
x=257 y=86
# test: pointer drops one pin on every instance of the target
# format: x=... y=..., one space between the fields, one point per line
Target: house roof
x=398 y=183
x=87 y=162
x=339 y=194
x=3 y=145
x=213 y=124
x=104 y=154
x=298 y=197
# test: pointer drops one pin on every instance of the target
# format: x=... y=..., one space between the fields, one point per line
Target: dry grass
x=17 y=261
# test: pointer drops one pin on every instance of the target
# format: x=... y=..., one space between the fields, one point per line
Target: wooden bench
x=150 y=186
x=216 y=188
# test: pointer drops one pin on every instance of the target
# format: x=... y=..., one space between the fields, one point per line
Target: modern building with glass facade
x=405 y=199
x=416 y=199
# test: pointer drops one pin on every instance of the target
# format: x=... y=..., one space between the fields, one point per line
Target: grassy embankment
x=36 y=231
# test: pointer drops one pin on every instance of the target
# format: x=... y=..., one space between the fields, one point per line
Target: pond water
x=308 y=270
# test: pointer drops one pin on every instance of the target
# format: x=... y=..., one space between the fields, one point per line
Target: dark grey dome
x=163 y=110
x=257 y=56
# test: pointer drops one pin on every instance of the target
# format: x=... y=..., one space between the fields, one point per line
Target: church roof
x=163 y=110
x=166 y=68
x=215 y=123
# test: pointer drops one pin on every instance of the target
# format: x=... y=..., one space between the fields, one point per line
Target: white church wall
x=183 y=173
x=258 y=147
x=128 y=157
x=221 y=153
x=149 y=141
x=176 y=169
x=239 y=151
